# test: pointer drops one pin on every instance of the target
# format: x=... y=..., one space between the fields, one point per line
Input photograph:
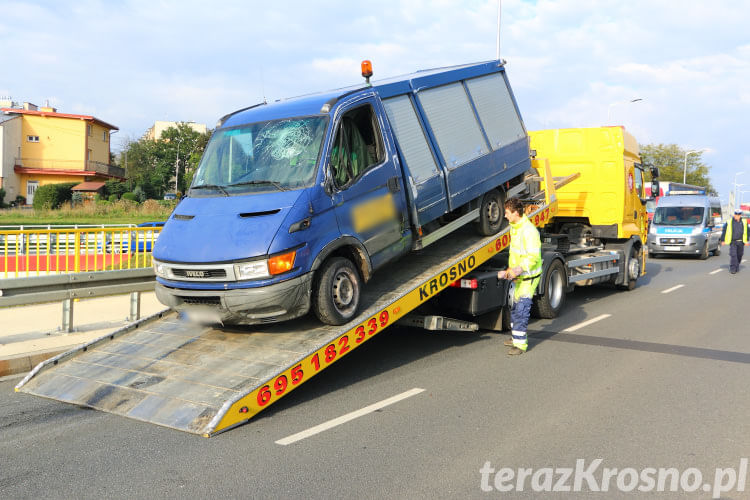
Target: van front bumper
x=685 y=244
x=245 y=306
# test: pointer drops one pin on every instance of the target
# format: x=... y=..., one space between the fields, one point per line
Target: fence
x=38 y=251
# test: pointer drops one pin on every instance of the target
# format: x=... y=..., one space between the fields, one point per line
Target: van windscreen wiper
x=211 y=186
x=247 y=183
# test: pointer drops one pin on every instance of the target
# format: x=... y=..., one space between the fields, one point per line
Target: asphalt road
x=658 y=383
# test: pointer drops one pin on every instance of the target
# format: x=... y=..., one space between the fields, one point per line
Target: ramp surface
x=203 y=380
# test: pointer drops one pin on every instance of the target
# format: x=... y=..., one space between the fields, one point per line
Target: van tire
x=491 y=213
x=337 y=291
x=550 y=304
x=704 y=253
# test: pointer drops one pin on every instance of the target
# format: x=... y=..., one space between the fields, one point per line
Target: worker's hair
x=514 y=205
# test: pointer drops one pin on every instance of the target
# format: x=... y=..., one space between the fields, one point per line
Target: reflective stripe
x=522 y=346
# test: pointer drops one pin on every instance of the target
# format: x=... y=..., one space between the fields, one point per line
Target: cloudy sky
x=571 y=63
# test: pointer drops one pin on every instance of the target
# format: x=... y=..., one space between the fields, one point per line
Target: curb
x=24 y=363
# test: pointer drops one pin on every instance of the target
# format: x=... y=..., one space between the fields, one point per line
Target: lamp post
x=177 y=166
x=684 y=169
x=736 y=186
x=609 y=109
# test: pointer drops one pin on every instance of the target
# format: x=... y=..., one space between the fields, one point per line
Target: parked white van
x=686 y=224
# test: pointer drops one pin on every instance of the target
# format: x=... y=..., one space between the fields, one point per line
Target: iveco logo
x=196 y=274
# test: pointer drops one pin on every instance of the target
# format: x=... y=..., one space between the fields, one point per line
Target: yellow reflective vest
x=526 y=253
x=728 y=236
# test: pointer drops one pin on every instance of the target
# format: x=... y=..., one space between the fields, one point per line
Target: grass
x=119 y=212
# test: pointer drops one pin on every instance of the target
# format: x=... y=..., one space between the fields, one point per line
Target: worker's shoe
x=508 y=342
x=515 y=351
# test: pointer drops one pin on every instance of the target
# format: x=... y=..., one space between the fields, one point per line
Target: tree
x=670 y=158
x=152 y=165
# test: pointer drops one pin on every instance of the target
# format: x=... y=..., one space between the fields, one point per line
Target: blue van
x=296 y=203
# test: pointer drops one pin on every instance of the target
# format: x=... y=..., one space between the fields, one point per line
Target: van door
x=368 y=191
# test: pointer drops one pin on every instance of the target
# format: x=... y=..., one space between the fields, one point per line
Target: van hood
x=223 y=229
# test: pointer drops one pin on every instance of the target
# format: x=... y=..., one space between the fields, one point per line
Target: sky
x=571 y=63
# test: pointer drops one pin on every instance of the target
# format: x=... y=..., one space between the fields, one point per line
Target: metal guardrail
x=37 y=252
x=69 y=287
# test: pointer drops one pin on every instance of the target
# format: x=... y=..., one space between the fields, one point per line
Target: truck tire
x=491 y=213
x=336 y=294
x=550 y=304
x=633 y=261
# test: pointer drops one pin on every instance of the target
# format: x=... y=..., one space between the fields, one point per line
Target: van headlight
x=252 y=270
x=160 y=269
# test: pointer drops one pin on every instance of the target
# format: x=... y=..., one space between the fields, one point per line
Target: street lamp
x=609 y=109
x=736 y=186
x=684 y=169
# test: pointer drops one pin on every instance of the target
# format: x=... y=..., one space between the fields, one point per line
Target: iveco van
x=686 y=224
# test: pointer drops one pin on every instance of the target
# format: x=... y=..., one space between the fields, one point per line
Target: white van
x=686 y=224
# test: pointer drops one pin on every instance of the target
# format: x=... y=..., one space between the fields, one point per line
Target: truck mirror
x=654 y=172
x=654 y=189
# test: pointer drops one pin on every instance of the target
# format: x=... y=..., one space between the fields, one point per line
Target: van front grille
x=201 y=301
x=672 y=241
x=199 y=273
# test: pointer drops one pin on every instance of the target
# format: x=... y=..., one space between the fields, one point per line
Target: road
x=657 y=380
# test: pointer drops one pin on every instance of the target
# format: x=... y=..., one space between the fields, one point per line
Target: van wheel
x=550 y=304
x=704 y=252
x=336 y=296
x=491 y=213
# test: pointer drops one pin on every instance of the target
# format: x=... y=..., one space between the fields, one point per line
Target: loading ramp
x=205 y=380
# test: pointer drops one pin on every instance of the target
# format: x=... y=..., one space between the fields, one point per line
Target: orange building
x=50 y=148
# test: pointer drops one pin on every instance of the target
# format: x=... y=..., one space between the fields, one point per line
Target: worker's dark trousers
x=736 y=249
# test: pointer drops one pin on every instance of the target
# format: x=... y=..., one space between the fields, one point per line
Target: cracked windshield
x=276 y=155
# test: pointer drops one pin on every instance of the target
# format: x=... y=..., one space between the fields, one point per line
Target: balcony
x=67 y=167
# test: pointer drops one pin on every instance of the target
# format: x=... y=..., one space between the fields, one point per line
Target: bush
x=20 y=200
x=53 y=195
x=76 y=198
x=114 y=187
x=112 y=198
x=128 y=196
x=2 y=198
x=140 y=195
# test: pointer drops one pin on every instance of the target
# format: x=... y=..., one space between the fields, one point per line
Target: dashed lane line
x=714 y=272
x=669 y=290
x=586 y=323
x=349 y=416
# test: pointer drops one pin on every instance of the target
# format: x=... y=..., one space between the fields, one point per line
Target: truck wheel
x=550 y=304
x=336 y=297
x=491 y=213
x=633 y=269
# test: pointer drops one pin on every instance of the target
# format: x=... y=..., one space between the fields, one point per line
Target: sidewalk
x=31 y=334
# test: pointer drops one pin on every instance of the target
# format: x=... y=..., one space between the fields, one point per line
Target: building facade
x=47 y=147
x=154 y=133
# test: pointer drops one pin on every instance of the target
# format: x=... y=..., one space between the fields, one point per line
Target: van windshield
x=271 y=155
x=678 y=216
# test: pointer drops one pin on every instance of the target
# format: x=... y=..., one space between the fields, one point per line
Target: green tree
x=152 y=164
x=670 y=158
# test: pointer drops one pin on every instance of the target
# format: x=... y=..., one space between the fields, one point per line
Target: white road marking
x=586 y=323
x=672 y=289
x=349 y=416
x=714 y=272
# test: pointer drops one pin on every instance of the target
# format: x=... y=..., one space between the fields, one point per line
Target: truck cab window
x=357 y=146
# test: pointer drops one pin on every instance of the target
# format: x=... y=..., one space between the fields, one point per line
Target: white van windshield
x=276 y=155
x=678 y=216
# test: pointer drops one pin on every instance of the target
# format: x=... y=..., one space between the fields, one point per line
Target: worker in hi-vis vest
x=524 y=268
x=735 y=235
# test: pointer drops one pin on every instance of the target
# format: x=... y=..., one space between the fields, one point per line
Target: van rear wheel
x=491 y=213
x=337 y=292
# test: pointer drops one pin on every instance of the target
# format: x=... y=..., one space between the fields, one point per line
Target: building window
x=90 y=130
x=32 y=138
x=104 y=136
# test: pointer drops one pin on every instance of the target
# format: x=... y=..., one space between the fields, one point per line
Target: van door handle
x=393 y=185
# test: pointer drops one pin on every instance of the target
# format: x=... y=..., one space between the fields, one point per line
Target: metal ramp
x=205 y=380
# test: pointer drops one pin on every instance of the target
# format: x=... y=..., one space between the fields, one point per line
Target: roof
x=58 y=115
x=312 y=104
x=88 y=186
